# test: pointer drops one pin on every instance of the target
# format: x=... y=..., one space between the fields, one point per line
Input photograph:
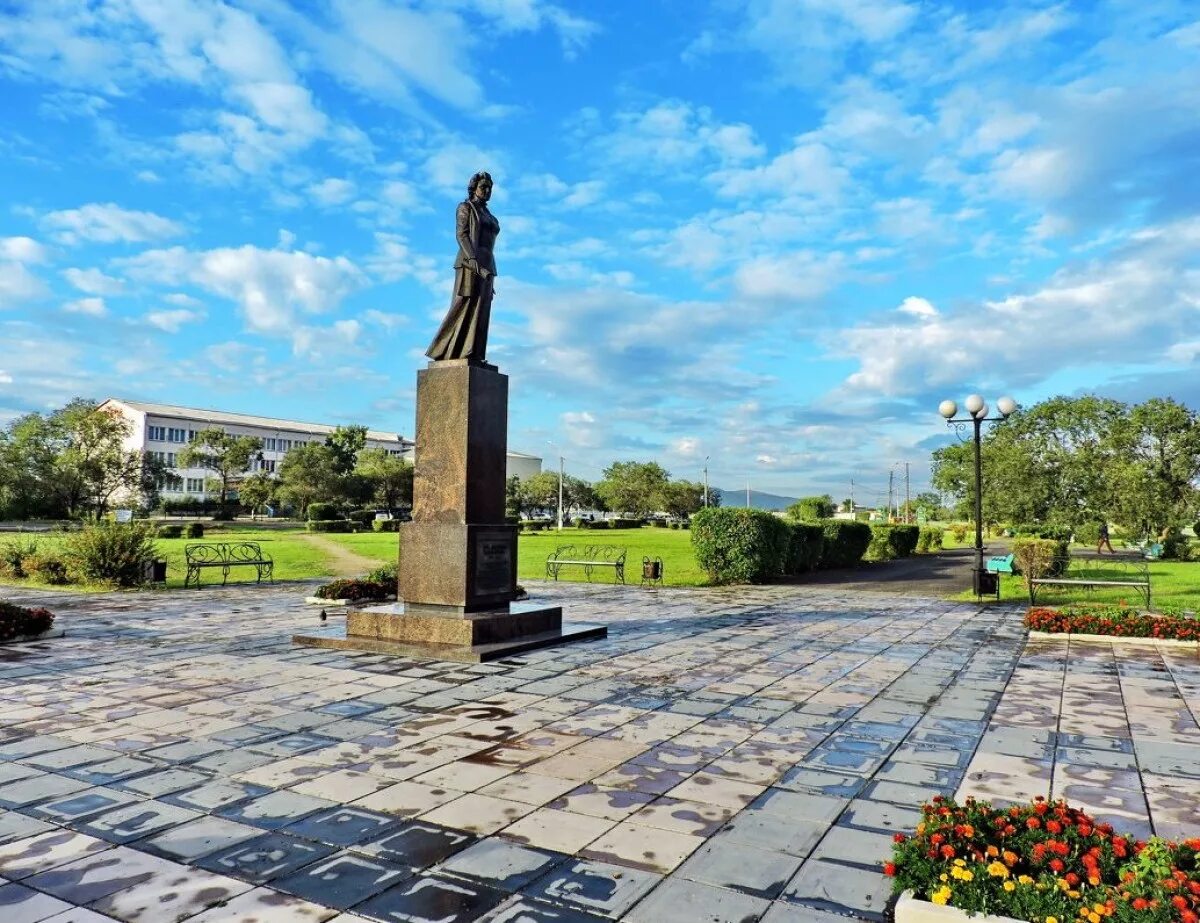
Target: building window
x=156 y=433
x=269 y=445
x=195 y=485
x=176 y=435
x=170 y=459
x=268 y=465
x=191 y=435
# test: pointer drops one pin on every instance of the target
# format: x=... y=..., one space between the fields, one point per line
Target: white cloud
x=790 y=278
x=809 y=169
x=917 y=307
x=332 y=191
x=673 y=133
x=93 y=281
x=108 y=223
x=18 y=285
x=273 y=288
x=5 y=378
x=22 y=250
x=389 y=320
x=172 y=321
x=92 y=307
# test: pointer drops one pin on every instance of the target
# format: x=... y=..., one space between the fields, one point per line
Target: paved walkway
x=725 y=755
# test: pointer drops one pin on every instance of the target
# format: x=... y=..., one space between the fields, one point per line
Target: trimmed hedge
x=739 y=545
x=194 y=530
x=363 y=517
x=321 y=511
x=845 y=542
x=1041 y=557
x=167 y=530
x=385 y=525
x=18 y=621
x=889 y=542
x=624 y=523
x=329 y=525
x=930 y=539
x=807 y=542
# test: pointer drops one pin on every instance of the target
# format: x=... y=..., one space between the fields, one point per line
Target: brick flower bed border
x=1111 y=622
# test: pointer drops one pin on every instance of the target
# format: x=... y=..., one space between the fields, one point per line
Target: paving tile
x=25 y=792
x=198 y=838
x=478 y=813
x=93 y=877
x=215 y=795
x=19 y=904
x=21 y=858
x=522 y=909
x=730 y=864
x=643 y=847
x=169 y=895
x=599 y=887
x=342 y=880
x=265 y=857
x=158 y=784
x=560 y=831
x=15 y=826
x=682 y=901
x=135 y=821
x=407 y=799
x=839 y=888
x=432 y=899
x=262 y=905
x=83 y=804
x=276 y=810
x=500 y=864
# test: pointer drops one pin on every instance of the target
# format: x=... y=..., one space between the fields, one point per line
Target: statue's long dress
x=464 y=332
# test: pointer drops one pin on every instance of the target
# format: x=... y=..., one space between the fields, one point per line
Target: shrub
x=385 y=525
x=47 y=567
x=112 y=552
x=225 y=514
x=1172 y=542
x=889 y=542
x=534 y=525
x=811 y=509
x=1041 y=557
x=321 y=511
x=1121 y=621
x=845 y=542
x=1088 y=533
x=167 y=530
x=1044 y=530
x=18 y=621
x=359 y=588
x=329 y=525
x=385 y=573
x=362 y=517
x=959 y=531
x=194 y=530
x=738 y=545
x=805 y=544
x=1043 y=860
x=625 y=523
x=13 y=555
x=929 y=539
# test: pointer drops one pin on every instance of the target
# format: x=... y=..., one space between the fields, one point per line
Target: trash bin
x=155 y=571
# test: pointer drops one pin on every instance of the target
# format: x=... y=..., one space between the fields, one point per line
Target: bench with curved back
x=589 y=557
x=225 y=555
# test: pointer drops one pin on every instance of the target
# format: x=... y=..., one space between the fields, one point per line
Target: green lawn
x=1172 y=584
x=294 y=558
x=674 y=546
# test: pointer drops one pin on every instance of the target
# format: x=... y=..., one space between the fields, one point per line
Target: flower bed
x=18 y=622
x=355 y=590
x=1044 y=862
x=1119 y=621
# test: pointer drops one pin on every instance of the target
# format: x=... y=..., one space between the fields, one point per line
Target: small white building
x=164 y=429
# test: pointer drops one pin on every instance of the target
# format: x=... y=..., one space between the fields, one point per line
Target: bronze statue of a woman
x=463 y=334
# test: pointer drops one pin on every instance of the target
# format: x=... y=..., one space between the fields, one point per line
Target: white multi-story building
x=164 y=429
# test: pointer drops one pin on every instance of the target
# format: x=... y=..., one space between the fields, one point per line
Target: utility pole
x=907 y=500
x=891 y=478
x=852 y=495
x=706 y=457
x=560 y=492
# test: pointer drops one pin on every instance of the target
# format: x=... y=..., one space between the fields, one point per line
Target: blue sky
x=775 y=233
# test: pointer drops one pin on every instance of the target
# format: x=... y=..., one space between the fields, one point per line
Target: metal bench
x=589 y=557
x=1093 y=572
x=200 y=556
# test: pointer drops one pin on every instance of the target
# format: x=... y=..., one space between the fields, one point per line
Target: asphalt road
x=942 y=574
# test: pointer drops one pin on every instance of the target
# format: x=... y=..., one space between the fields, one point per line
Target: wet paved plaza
x=725 y=755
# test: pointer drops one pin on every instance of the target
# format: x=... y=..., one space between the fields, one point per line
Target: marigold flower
x=947 y=852
x=1033 y=823
x=998 y=870
x=942 y=896
x=889 y=868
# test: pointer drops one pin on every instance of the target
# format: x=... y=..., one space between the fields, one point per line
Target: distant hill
x=758 y=499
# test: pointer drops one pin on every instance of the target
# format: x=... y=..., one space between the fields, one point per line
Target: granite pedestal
x=458 y=558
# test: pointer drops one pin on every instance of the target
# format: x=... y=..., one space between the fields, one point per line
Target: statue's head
x=481 y=182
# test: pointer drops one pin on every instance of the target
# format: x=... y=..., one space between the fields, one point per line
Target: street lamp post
x=706 y=458
x=977 y=408
x=561 y=474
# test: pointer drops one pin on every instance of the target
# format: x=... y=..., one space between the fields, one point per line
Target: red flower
x=1057 y=865
x=1033 y=823
x=947 y=852
x=1140 y=903
x=1054 y=826
x=899 y=838
x=889 y=868
x=1179 y=902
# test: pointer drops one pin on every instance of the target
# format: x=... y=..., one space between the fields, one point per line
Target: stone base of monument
x=471 y=637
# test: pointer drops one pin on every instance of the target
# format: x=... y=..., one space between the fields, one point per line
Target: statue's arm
x=462 y=225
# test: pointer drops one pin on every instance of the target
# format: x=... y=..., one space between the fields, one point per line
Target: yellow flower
x=1009 y=886
x=943 y=877
x=1099 y=908
x=998 y=870
x=960 y=862
x=1093 y=917
x=942 y=896
x=1051 y=919
x=1025 y=880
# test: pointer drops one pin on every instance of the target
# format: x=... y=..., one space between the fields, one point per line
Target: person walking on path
x=1104 y=541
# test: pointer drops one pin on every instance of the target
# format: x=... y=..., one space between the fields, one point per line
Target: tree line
x=634 y=488
x=1072 y=461
x=72 y=463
